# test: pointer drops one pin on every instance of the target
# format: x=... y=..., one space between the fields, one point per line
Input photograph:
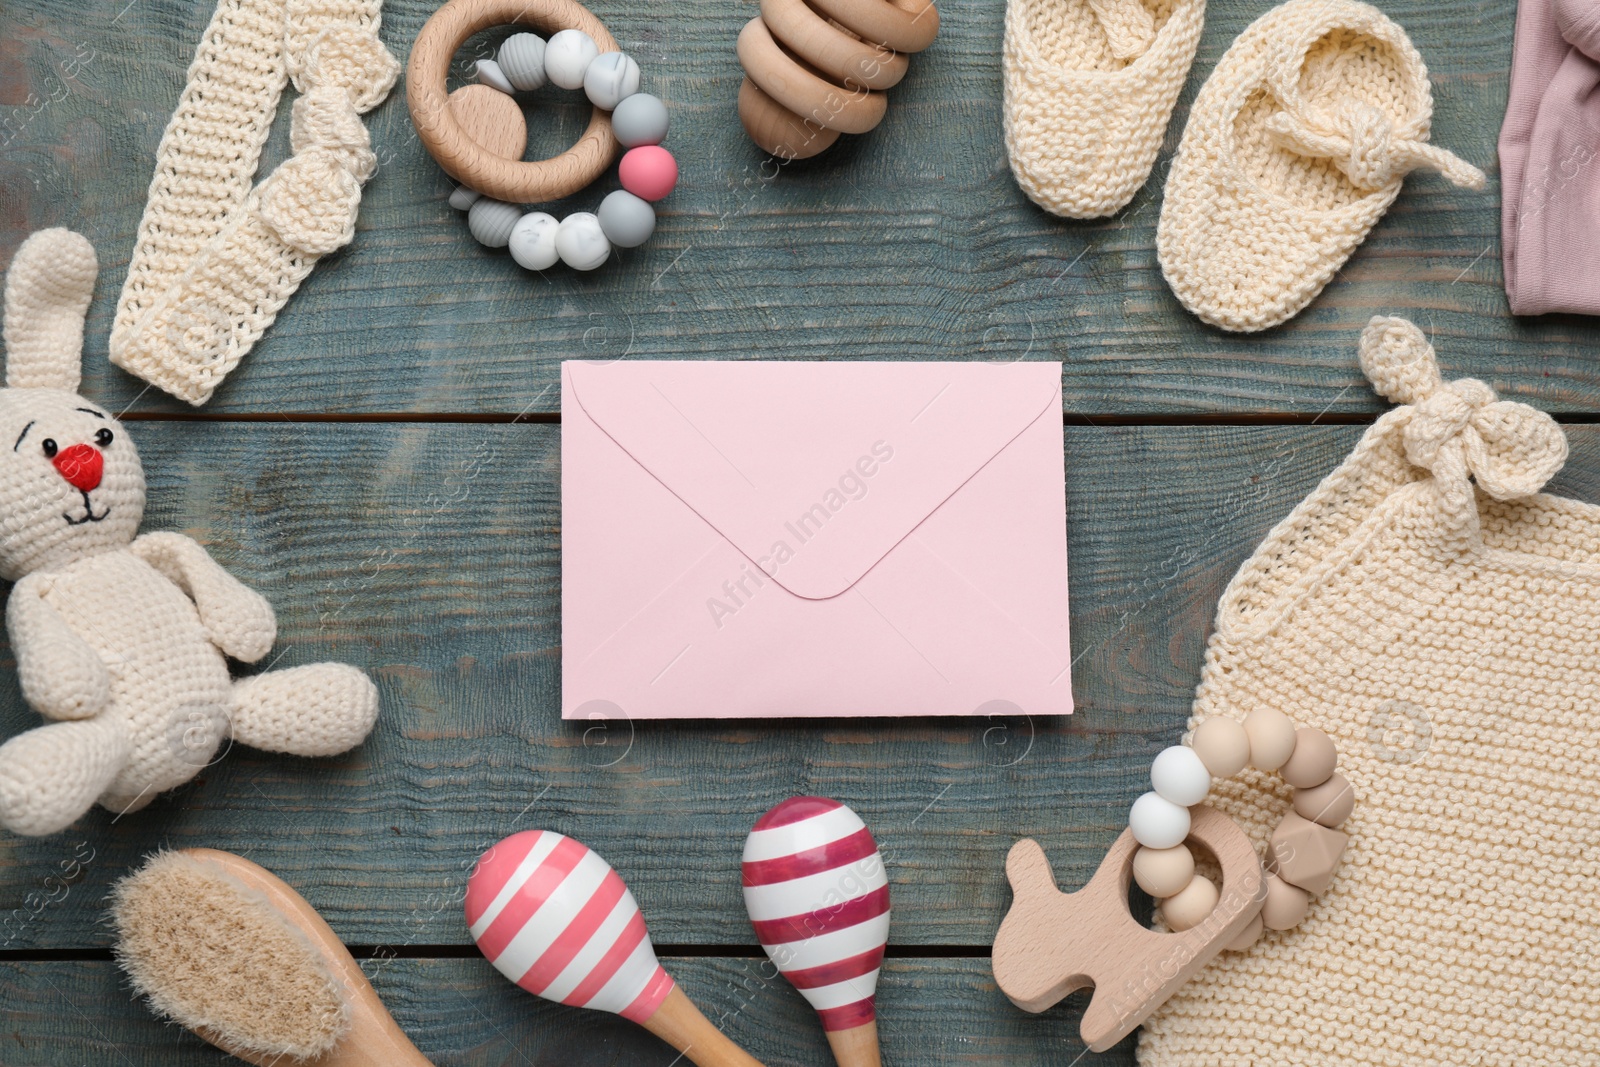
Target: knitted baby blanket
x=1438 y=617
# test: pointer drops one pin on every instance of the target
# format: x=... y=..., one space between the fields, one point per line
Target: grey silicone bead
x=464 y=198
x=491 y=221
x=640 y=119
x=580 y=241
x=489 y=74
x=521 y=60
x=627 y=220
x=611 y=79
x=533 y=241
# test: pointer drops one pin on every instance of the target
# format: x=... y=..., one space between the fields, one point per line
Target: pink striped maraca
x=554 y=918
x=818 y=897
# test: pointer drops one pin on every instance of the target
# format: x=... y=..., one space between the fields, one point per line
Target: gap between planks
x=554 y=418
x=456 y=952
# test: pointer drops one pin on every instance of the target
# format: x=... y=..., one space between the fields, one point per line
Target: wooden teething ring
x=441 y=132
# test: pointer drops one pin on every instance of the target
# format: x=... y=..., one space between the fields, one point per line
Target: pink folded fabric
x=1550 y=173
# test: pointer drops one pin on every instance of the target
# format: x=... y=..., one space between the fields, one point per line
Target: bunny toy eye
x=50 y=448
x=103 y=438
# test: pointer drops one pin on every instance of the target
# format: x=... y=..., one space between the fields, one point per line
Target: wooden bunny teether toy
x=1053 y=943
x=121 y=640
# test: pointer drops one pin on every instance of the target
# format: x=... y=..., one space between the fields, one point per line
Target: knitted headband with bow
x=215 y=260
x=1459 y=431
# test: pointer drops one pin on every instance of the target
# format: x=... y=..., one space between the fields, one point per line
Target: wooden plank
x=462 y=1013
x=429 y=555
x=912 y=242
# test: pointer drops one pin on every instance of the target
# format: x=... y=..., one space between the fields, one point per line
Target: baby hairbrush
x=225 y=948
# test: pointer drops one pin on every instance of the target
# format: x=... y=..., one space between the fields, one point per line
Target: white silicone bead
x=1157 y=822
x=1180 y=776
x=567 y=56
x=580 y=241
x=490 y=74
x=533 y=241
x=521 y=60
x=611 y=79
x=491 y=221
x=464 y=198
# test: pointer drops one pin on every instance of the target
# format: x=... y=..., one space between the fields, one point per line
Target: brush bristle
x=212 y=954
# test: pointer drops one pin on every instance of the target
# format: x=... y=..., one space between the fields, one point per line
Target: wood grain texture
x=911 y=242
x=1053 y=943
x=454 y=145
x=429 y=555
x=462 y=1013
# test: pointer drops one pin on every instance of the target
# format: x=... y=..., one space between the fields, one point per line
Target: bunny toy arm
x=61 y=676
x=238 y=619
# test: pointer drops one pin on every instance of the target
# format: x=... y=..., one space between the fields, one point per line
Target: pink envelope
x=806 y=539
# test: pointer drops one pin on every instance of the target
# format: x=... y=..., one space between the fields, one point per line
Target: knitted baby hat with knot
x=1439 y=618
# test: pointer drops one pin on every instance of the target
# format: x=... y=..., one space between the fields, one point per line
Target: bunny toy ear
x=47 y=295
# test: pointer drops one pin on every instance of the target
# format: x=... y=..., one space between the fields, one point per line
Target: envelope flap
x=814 y=471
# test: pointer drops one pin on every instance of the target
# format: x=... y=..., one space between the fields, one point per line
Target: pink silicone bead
x=648 y=171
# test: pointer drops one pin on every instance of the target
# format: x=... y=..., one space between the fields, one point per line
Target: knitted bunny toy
x=120 y=639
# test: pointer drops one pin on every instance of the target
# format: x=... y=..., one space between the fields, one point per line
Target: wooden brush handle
x=374 y=1040
x=679 y=1023
x=857 y=1046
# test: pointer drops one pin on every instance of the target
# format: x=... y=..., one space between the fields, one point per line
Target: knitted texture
x=1089 y=88
x=1296 y=146
x=1451 y=653
x=215 y=260
x=121 y=639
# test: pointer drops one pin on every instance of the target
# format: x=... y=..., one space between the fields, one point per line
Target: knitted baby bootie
x=1089 y=87
x=1296 y=146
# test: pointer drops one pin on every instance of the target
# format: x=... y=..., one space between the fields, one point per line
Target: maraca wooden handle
x=857 y=1046
x=679 y=1023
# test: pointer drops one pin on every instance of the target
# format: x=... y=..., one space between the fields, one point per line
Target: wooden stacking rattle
x=477 y=133
x=1052 y=943
x=817 y=68
x=553 y=917
x=818 y=897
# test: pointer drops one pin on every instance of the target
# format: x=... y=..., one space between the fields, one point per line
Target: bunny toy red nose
x=81 y=465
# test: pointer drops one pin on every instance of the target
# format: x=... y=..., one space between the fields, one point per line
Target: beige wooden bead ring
x=441 y=130
x=903 y=25
x=817 y=68
x=784 y=79
x=834 y=52
x=1304 y=850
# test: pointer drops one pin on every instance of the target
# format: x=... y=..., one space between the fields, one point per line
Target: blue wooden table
x=385 y=467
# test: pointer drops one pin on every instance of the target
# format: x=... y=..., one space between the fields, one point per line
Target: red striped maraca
x=818 y=897
x=558 y=921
